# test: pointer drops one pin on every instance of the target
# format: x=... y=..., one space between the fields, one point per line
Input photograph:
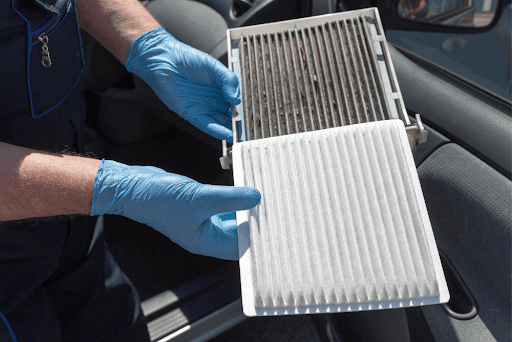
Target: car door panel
x=464 y=170
x=469 y=207
x=463 y=113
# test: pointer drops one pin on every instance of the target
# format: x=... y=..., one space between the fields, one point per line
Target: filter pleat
x=397 y=231
x=402 y=220
x=309 y=83
x=300 y=223
x=271 y=236
x=357 y=221
x=306 y=191
x=366 y=282
x=281 y=70
x=333 y=218
x=288 y=85
x=423 y=258
x=343 y=84
x=268 y=88
x=300 y=108
x=317 y=78
x=286 y=229
x=369 y=208
x=292 y=279
x=309 y=124
x=296 y=112
x=395 y=273
x=347 y=67
x=259 y=260
x=349 y=250
x=253 y=131
x=275 y=85
x=272 y=290
x=323 y=207
x=375 y=222
x=260 y=82
x=415 y=241
x=356 y=82
x=338 y=104
x=245 y=85
x=249 y=177
x=325 y=84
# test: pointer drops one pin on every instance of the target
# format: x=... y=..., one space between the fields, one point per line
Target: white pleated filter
x=342 y=224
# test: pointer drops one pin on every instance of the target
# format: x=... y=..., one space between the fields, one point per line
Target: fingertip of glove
x=220 y=132
x=228 y=136
x=252 y=196
x=214 y=129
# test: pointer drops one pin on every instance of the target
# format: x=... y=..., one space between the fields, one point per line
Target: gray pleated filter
x=342 y=224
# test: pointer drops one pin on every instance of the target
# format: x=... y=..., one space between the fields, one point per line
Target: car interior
x=464 y=169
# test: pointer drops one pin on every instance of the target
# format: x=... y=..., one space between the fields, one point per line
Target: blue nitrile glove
x=191 y=83
x=198 y=217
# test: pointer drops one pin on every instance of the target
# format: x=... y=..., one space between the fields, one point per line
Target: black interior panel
x=469 y=205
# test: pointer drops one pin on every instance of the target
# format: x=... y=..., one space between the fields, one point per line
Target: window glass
x=483 y=58
x=471 y=13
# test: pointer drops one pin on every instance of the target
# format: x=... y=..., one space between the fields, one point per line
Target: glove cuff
x=143 y=44
x=106 y=188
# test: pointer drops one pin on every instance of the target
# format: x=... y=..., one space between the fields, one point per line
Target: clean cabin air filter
x=323 y=133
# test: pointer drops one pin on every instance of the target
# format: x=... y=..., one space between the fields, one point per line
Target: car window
x=484 y=58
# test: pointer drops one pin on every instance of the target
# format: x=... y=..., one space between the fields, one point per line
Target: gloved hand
x=191 y=83
x=198 y=217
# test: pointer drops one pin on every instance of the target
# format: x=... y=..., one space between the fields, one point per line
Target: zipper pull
x=45 y=58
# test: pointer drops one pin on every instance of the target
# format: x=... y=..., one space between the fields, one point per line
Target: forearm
x=115 y=23
x=38 y=184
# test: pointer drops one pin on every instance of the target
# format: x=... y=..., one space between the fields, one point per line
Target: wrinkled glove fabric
x=198 y=217
x=191 y=83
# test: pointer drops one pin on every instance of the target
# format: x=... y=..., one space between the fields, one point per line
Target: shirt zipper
x=43 y=37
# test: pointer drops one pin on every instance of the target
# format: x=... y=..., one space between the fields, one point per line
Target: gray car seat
x=193 y=23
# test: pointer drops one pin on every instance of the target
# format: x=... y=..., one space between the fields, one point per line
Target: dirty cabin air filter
x=322 y=132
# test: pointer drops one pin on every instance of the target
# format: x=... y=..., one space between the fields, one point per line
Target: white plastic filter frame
x=309 y=248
